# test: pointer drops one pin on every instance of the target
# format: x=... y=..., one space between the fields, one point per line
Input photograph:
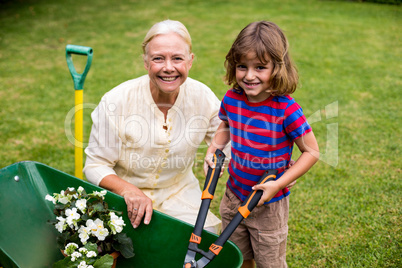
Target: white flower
x=83 y=250
x=82 y=264
x=62 y=198
x=72 y=216
x=61 y=224
x=91 y=254
x=80 y=190
x=75 y=256
x=70 y=248
x=98 y=224
x=50 y=198
x=101 y=234
x=92 y=226
x=74 y=245
x=81 y=205
x=76 y=219
x=84 y=233
x=98 y=229
x=90 y=223
x=100 y=194
x=116 y=223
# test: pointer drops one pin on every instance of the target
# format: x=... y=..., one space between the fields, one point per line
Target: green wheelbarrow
x=28 y=241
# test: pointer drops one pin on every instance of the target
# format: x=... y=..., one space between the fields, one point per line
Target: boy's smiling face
x=253 y=77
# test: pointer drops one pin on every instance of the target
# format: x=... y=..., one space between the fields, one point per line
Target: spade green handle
x=78 y=79
x=79 y=100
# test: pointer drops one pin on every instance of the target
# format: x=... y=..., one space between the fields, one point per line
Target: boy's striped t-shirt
x=262 y=137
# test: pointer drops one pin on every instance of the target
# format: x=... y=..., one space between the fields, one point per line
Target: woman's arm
x=310 y=155
x=102 y=154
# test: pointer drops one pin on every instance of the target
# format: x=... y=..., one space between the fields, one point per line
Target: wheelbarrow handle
x=78 y=79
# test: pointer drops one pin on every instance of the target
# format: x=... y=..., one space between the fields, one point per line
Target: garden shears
x=207 y=195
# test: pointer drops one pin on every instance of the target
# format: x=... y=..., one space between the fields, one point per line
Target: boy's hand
x=269 y=189
x=209 y=163
x=291 y=163
x=290 y=185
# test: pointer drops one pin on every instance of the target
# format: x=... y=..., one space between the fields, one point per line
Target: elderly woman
x=146 y=132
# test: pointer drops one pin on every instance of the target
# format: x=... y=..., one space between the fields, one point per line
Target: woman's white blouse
x=128 y=139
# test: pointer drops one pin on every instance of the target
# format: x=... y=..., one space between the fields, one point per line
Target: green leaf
x=65 y=263
x=124 y=245
x=61 y=207
x=98 y=207
x=104 y=262
x=85 y=217
x=52 y=222
x=61 y=240
x=75 y=238
x=91 y=247
x=117 y=212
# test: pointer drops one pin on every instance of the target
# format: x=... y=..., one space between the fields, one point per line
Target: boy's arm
x=310 y=154
x=221 y=138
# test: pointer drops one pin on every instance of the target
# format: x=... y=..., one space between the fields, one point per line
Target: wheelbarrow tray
x=27 y=240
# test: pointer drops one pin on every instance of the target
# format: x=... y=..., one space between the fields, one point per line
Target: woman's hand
x=139 y=206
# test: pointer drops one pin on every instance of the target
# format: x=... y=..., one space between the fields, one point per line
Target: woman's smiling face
x=168 y=61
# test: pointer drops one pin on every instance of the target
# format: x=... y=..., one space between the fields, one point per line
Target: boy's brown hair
x=269 y=43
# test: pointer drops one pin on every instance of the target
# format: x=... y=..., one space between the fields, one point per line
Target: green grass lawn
x=346 y=212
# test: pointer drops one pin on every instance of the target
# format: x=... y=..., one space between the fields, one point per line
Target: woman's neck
x=164 y=100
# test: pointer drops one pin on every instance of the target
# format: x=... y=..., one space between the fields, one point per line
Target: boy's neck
x=258 y=98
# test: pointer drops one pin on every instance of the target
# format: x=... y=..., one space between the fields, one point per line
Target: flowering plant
x=89 y=230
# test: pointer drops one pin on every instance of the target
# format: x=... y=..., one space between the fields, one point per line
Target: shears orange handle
x=244 y=210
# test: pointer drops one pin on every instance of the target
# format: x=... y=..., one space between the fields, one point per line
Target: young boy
x=262 y=122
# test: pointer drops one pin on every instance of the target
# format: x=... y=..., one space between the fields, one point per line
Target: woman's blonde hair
x=165 y=27
x=269 y=43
